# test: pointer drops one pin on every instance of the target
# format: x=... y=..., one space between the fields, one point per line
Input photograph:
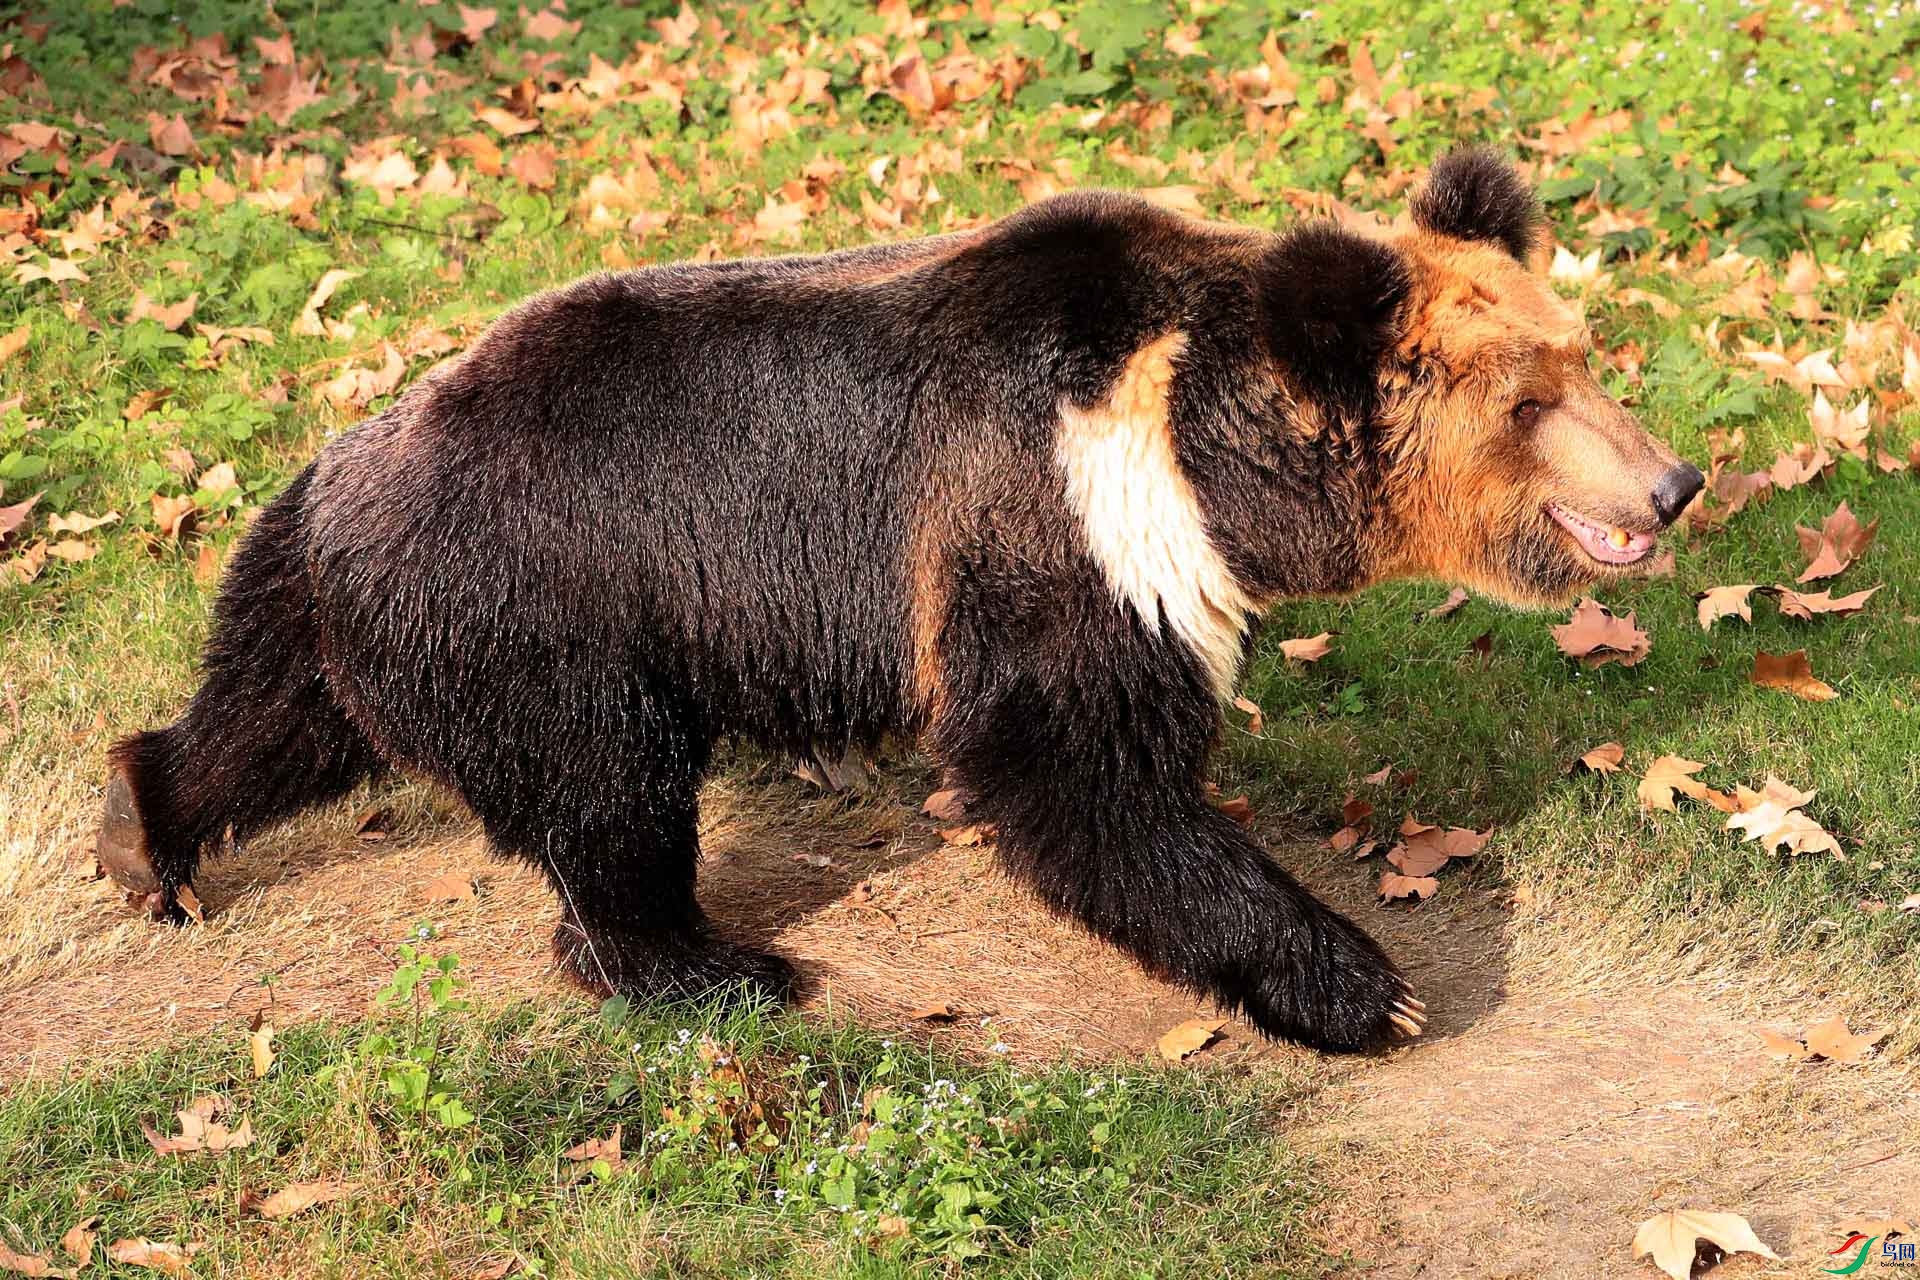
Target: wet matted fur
x=1017 y=492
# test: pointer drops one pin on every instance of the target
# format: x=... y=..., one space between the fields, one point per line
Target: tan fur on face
x=1464 y=479
x=1141 y=519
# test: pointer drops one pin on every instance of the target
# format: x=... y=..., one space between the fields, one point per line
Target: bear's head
x=1499 y=462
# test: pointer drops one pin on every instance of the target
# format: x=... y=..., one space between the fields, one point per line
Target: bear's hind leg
x=621 y=851
x=261 y=740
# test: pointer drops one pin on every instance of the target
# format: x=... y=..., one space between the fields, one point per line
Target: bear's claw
x=1409 y=1020
x=122 y=843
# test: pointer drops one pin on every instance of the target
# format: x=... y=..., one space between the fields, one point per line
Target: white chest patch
x=1141 y=518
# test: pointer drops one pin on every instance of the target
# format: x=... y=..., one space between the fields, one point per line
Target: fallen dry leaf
x=1256 y=721
x=1393 y=886
x=73 y=551
x=1605 y=758
x=1674 y=1236
x=1772 y=816
x=1595 y=637
x=966 y=837
x=948 y=805
x=1379 y=775
x=455 y=886
x=13 y=343
x=297 y=1197
x=201 y=1130
x=1840 y=540
x=169 y=318
x=1805 y=604
x=1783 y=1048
x=593 y=1149
x=174 y=516
x=1454 y=600
x=308 y=324
x=78 y=1242
x=1831 y=1040
x=1725 y=602
x=11 y=518
x=1189 y=1038
x=1670 y=774
x=1309 y=649
x=536 y=165
x=145 y=402
x=1240 y=809
x=260 y=1045
x=32 y=1264
x=937 y=1013
x=154 y=1255
x=1793 y=673
x=75 y=523
x=1427 y=850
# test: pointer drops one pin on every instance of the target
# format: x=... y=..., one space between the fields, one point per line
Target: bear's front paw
x=1330 y=987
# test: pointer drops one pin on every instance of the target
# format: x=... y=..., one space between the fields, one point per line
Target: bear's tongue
x=1608 y=544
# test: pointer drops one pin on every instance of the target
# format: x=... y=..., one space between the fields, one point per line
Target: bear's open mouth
x=1609 y=544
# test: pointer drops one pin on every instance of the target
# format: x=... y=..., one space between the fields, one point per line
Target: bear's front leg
x=1184 y=889
x=1085 y=737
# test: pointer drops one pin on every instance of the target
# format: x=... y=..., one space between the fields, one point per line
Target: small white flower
x=998 y=1046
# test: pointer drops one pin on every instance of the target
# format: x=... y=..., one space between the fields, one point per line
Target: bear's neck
x=1292 y=495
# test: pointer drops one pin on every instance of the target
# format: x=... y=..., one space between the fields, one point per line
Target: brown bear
x=1019 y=493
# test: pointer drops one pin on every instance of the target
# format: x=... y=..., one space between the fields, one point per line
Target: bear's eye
x=1526 y=413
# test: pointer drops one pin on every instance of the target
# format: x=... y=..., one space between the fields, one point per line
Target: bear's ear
x=1334 y=304
x=1475 y=194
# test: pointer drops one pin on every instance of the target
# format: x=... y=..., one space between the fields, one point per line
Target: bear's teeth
x=1619 y=538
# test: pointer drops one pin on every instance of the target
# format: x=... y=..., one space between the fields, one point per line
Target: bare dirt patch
x=1543 y=1115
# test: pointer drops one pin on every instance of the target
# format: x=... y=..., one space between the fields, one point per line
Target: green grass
x=750 y=1146
x=1106 y=98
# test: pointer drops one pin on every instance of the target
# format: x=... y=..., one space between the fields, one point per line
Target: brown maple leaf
x=1256 y=720
x=1673 y=1238
x=1189 y=1038
x=1831 y=1040
x=1724 y=602
x=593 y=1149
x=1793 y=673
x=298 y=1197
x=1605 y=758
x=1805 y=604
x=154 y=1255
x=1773 y=817
x=948 y=805
x=202 y=1130
x=455 y=886
x=1670 y=774
x=1454 y=600
x=1417 y=888
x=1595 y=637
x=1308 y=649
x=1840 y=540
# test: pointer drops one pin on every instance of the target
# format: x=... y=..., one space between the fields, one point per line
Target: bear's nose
x=1675 y=490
